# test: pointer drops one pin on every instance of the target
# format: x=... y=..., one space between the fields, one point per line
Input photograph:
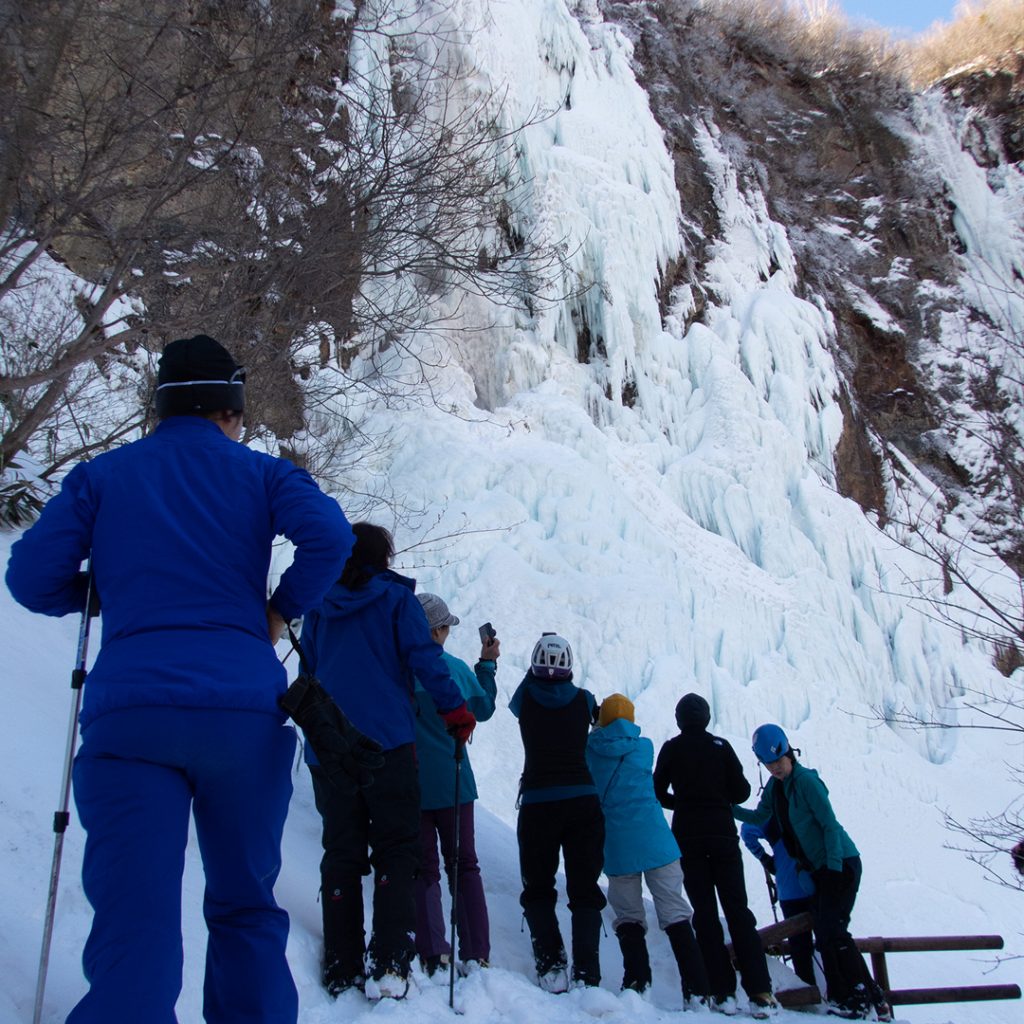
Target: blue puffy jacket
x=364 y=646
x=435 y=749
x=637 y=836
x=180 y=526
x=790 y=882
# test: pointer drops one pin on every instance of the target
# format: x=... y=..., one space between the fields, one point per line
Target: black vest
x=555 y=743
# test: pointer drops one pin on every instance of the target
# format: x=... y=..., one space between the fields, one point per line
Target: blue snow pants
x=138 y=775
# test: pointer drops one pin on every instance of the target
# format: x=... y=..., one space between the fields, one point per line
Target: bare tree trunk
x=57 y=23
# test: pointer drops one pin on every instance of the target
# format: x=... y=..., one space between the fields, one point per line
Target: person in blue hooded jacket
x=639 y=846
x=799 y=801
x=179 y=712
x=436 y=752
x=792 y=886
x=559 y=814
x=365 y=643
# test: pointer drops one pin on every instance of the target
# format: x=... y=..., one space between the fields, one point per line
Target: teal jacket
x=636 y=834
x=435 y=749
x=824 y=841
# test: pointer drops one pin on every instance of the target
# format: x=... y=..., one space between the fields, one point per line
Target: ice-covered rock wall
x=659 y=489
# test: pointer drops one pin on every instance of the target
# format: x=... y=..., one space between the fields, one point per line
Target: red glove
x=460 y=722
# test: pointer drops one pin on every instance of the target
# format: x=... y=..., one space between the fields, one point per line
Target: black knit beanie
x=198 y=375
x=693 y=713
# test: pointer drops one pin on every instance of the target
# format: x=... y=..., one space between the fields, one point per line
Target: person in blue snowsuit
x=639 y=846
x=559 y=813
x=180 y=710
x=365 y=643
x=792 y=887
x=799 y=802
x=436 y=752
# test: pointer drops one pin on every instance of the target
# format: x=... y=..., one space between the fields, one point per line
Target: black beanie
x=198 y=375
x=693 y=713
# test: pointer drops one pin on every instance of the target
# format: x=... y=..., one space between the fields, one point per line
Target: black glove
x=344 y=753
x=82 y=586
x=769 y=863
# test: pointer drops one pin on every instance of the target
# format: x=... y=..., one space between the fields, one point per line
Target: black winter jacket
x=699 y=777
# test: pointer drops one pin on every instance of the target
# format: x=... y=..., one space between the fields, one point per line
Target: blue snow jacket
x=435 y=749
x=637 y=836
x=364 y=646
x=790 y=881
x=823 y=840
x=180 y=526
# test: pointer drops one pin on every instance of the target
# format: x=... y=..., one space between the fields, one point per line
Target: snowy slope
x=691 y=540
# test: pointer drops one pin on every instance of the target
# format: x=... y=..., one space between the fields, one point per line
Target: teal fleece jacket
x=435 y=749
x=824 y=840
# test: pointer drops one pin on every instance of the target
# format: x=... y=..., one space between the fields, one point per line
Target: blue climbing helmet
x=769 y=743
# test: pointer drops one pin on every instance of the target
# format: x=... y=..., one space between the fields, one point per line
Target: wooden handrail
x=955 y=994
x=775 y=937
x=928 y=943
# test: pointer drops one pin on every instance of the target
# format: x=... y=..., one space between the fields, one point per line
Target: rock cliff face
x=836 y=156
x=865 y=180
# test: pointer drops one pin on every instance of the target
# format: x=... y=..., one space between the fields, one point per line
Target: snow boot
x=692 y=972
x=389 y=972
x=763 y=1006
x=439 y=962
x=883 y=1011
x=586 y=941
x=341 y=903
x=390 y=985
x=636 y=963
x=555 y=981
x=546 y=940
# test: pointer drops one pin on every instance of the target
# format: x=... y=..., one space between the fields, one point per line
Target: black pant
x=712 y=864
x=379 y=827
x=847 y=978
x=801 y=947
x=573 y=828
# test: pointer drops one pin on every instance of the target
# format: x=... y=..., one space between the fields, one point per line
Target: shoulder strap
x=612 y=779
x=297 y=647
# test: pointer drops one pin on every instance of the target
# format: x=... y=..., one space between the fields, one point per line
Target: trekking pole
x=454 y=874
x=62 y=817
x=773 y=891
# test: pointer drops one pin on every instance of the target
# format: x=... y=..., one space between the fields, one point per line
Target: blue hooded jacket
x=180 y=526
x=637 y=836
x=364 y=646
x=435 y=749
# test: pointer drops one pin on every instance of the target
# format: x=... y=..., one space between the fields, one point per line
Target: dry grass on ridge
x=818 y=35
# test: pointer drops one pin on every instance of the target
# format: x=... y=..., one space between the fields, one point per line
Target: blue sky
x=900 y=15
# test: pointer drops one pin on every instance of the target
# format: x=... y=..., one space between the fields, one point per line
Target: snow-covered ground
x=690 y=541
x=888 y=796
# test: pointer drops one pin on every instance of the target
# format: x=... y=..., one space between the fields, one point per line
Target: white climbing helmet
x=552 y=657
